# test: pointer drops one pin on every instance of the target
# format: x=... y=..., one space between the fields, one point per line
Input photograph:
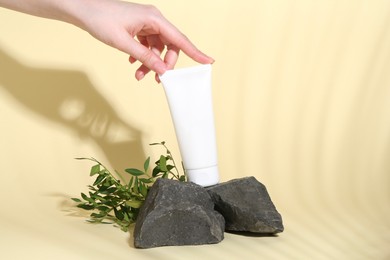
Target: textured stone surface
x=177 y=213
x=246 y=206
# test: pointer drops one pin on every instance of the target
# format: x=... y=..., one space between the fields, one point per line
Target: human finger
x=172 y=35
x=171 y=56
x=170 y=59
x=144 y=42
x=132 y=59
x=146 y=56
x=156 y=46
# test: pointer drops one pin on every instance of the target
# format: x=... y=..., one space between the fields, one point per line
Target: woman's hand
x=141 y=31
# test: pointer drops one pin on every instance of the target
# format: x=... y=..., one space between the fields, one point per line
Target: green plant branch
x=169 y=153
x=111 y=200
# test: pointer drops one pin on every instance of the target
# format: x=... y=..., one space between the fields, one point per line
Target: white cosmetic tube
x=188 y=92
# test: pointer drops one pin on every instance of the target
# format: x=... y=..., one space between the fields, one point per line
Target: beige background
x=302 y=102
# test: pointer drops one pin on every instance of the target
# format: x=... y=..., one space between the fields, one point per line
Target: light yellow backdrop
x=302 y=102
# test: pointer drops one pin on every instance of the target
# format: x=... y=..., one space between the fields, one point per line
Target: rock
x=177 y=213
x=246 y=206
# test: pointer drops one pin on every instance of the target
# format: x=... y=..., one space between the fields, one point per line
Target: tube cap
x=204 y=177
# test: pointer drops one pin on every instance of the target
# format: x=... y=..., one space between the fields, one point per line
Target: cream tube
x=188 y=92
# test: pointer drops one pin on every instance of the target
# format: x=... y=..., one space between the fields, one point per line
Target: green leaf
x=145 y=180
x=92 y=188
x=143 y=190
x=102 y=188
x=156 y=171
x=155 y=143
x=85 y=197
x=96 y=196
x=163 y=163
x=98 y=221
x=98 y=215
x=134 y=203
x=85 y=206
x=76 y=200
x=109 y=203
x=110 y=190
x=134 y=172
x=146 y=164
x=126 y=218
x=103 y=208
x=131 y=181
x=99 y=179
x=118 y=214
x=95 y=169
x=135 y=188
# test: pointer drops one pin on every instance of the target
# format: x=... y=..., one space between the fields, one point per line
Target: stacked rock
x=182 y=213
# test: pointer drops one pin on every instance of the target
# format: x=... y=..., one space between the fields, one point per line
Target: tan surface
x=302 y=102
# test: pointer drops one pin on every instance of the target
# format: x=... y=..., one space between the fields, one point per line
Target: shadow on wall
x=68 y=98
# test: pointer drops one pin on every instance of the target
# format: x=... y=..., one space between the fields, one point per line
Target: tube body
x=188 y=92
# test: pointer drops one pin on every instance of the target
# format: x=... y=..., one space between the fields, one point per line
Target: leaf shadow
x=69 y=99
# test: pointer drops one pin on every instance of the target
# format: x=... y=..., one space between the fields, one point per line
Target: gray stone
x=177 y=213
x=246 y=206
